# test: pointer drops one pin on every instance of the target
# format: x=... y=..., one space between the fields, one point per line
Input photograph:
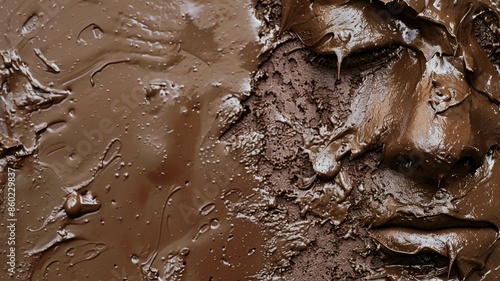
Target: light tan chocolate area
x=111 y=118
x=251 y=140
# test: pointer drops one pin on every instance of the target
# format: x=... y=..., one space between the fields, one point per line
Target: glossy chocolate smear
x=344 y=28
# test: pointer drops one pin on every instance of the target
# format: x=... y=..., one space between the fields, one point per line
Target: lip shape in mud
x=468 y=248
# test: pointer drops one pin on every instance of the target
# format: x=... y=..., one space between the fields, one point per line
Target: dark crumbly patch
x=269 y=12
x=487 y=29
x=288 y=86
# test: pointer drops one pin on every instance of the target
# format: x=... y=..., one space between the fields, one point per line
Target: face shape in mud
x=428 y=102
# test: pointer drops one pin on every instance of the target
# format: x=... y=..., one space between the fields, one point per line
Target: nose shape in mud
x=435 y=139
x=433 y=146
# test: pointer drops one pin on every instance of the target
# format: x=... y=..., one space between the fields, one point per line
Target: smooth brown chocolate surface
x=111 y=113
x=267 y=140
